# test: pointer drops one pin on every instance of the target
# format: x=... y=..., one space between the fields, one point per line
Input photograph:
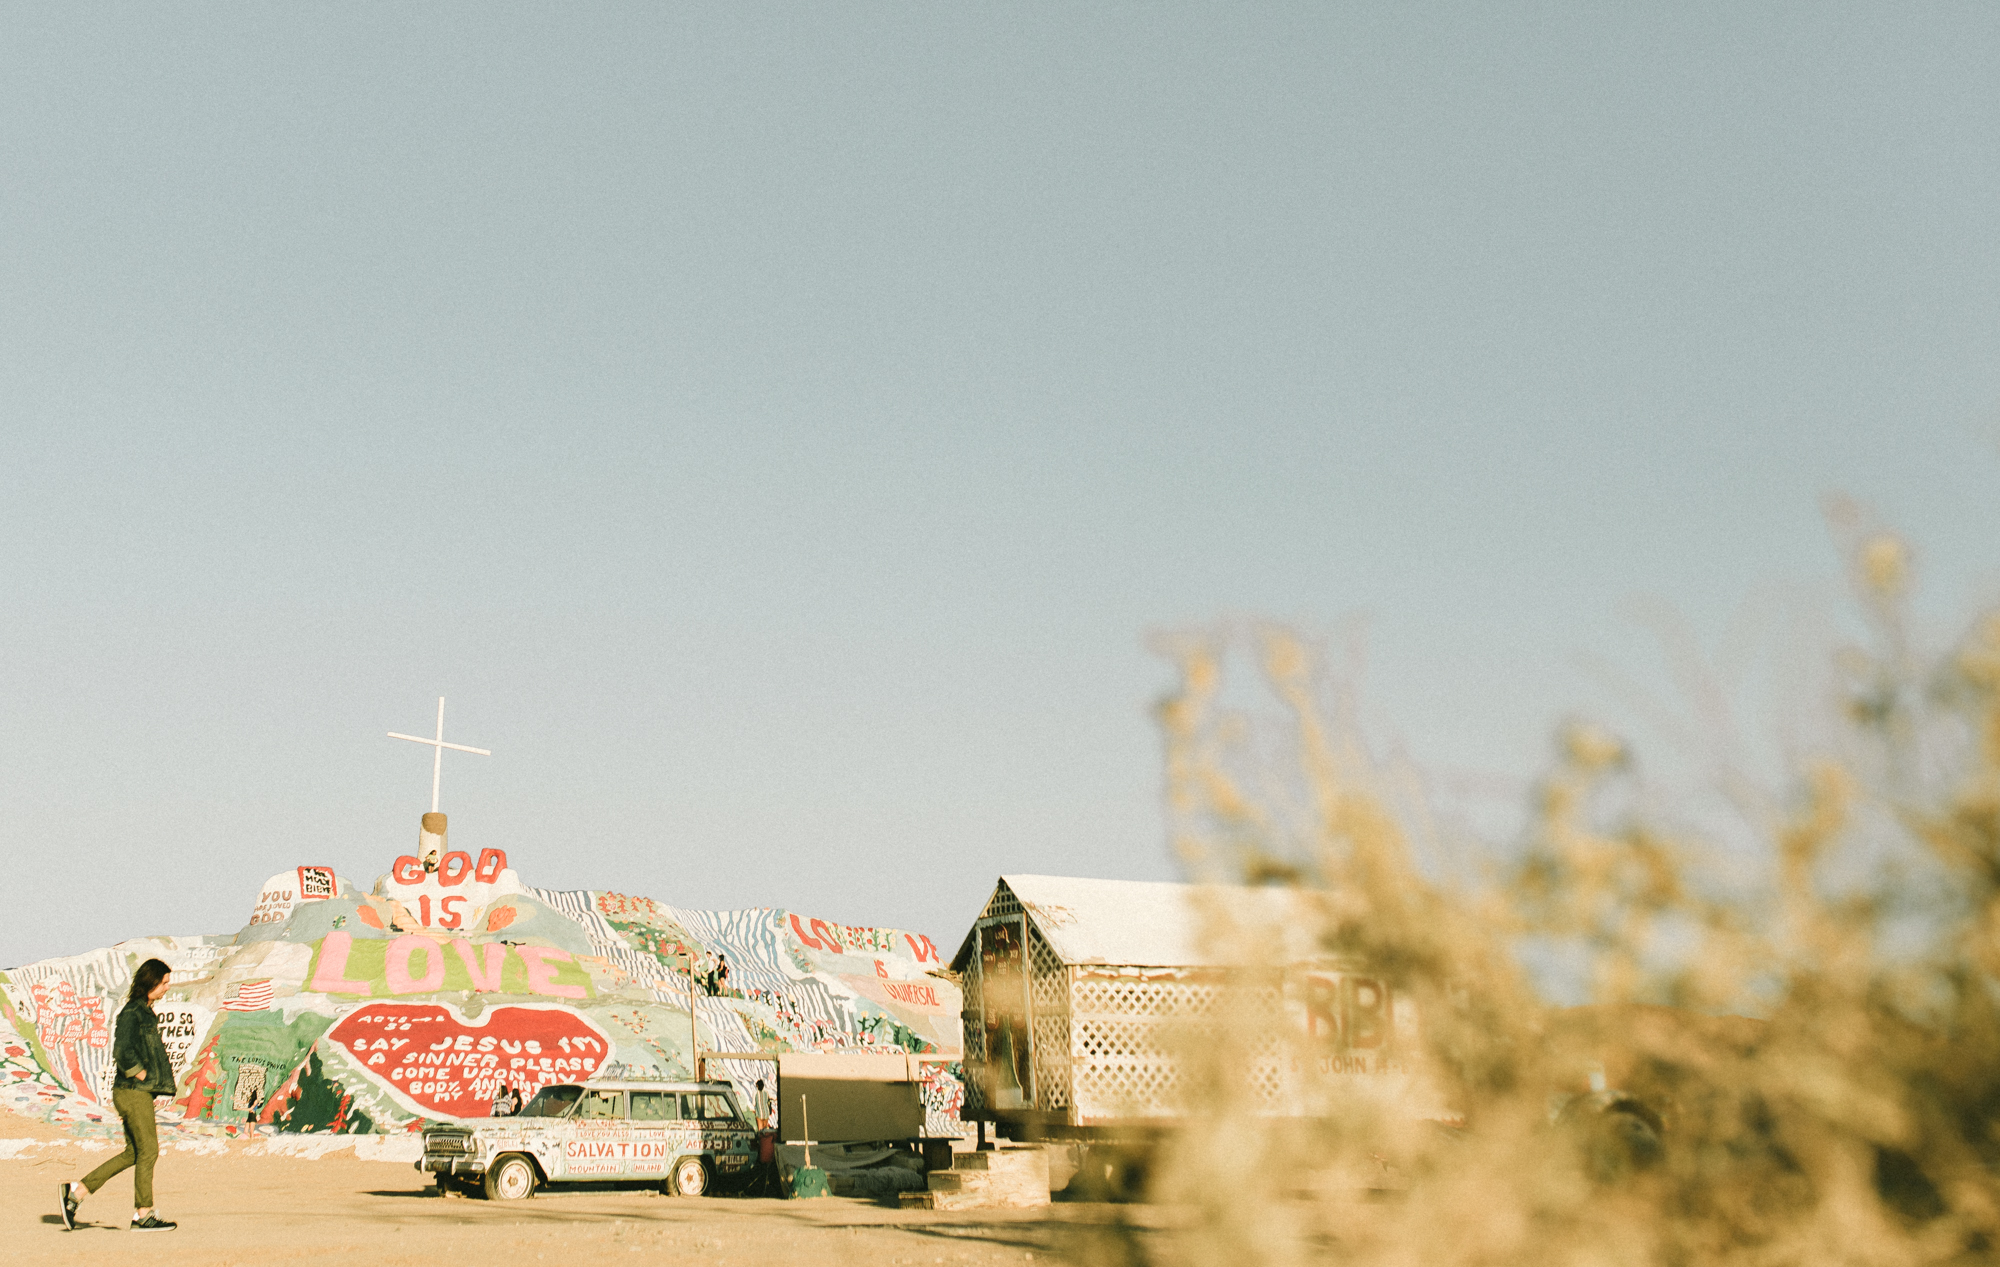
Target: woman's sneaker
x=152 y=1223
x=69 y=1204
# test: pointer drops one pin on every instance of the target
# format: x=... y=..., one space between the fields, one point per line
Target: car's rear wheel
x=689 y=1179
x=510 y=1178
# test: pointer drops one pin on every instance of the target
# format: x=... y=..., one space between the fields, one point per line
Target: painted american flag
x=250 y=996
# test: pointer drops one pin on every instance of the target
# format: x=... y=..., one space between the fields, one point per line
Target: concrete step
x=1008 y=1178
x=988 y=1200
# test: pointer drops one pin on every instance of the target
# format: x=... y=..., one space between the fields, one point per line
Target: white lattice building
x=1078 y=995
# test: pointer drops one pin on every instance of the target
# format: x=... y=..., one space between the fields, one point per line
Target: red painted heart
x=438 y=1064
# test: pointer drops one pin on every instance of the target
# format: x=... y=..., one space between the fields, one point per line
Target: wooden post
x=807 y=1180
x=805 y=1125
x=694 y=1031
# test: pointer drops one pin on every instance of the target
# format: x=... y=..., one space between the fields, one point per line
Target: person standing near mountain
x=143 y=1071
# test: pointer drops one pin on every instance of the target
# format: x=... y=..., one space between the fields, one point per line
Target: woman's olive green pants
x=142 y=1147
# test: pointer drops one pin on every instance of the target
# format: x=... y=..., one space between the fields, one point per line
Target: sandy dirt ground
x=271 y=1211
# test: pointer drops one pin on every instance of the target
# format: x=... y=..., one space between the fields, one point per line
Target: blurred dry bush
x=1808 y=1074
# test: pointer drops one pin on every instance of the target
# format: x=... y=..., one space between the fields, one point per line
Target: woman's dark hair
x=149 y=975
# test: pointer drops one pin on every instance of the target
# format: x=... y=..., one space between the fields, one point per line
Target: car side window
x=716 y=1108
x=655 y=1106
x=601 y=1104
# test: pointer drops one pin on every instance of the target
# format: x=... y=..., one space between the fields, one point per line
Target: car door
x=655 y=1122
x=742 y=1139
x=598 y=1142
x=687 y=1131
x=723 y=1129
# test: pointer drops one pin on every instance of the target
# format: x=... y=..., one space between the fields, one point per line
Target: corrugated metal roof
x=1150 y=924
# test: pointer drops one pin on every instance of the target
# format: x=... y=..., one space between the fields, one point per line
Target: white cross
x=437 y=760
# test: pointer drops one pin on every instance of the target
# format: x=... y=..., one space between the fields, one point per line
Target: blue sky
x=777 y=430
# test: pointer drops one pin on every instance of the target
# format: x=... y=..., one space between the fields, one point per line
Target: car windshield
x=552 y=1102
x=714 y=1106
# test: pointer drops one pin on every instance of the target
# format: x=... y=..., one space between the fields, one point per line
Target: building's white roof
x=1149 y=924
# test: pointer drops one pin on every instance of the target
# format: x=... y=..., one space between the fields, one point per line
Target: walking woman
x=143 y=1072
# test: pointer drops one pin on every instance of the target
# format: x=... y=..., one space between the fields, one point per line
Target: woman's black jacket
x=140 y=1053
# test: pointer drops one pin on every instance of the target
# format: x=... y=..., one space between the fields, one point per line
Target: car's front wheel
x=510 y=1178
x=690 y=1178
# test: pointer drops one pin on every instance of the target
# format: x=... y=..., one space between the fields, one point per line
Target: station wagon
x=684 y=1137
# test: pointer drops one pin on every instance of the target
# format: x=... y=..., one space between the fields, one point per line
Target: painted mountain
x=335 y=1011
